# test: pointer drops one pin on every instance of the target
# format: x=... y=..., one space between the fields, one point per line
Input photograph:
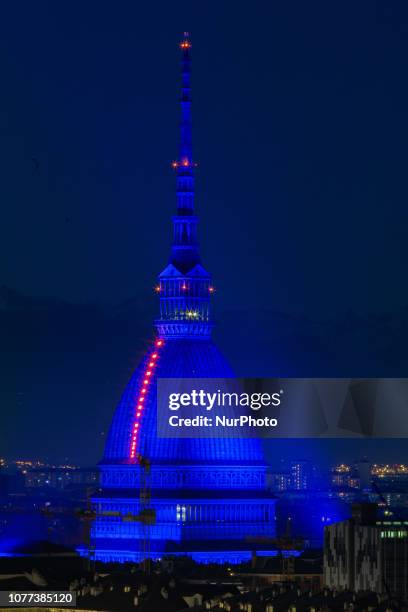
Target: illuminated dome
x=183 y=358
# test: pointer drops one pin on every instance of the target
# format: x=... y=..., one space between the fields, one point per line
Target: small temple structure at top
x=171 y=496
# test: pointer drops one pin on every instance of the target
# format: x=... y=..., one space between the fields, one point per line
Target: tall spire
x=185 y=286
x=184 y=253
x=184 y=165
x=185 y=101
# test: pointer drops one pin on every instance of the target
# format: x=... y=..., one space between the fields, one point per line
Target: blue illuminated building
x=202 y=497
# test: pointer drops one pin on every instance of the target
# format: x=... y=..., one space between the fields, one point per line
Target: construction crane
x=146 y=515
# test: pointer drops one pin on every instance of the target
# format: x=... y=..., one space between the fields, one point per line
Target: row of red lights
x=143 y=394
x=184 y=287
x=184 y=163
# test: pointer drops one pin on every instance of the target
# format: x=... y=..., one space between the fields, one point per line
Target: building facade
x=364 y=554
x=202 y=497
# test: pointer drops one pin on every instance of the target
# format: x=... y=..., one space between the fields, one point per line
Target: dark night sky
x=301 y=131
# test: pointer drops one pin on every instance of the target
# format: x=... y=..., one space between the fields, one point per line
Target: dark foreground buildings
x=203 y=497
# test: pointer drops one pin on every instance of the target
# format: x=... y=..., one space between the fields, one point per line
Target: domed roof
x=176 y=358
